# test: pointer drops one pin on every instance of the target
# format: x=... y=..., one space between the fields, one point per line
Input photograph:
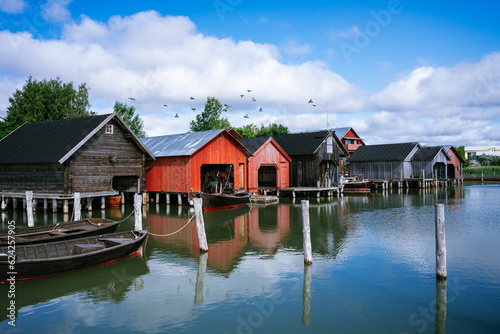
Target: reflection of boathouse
x=229 y=233
x=197 y=161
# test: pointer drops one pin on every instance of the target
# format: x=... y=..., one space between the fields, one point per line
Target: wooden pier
x=311 y=191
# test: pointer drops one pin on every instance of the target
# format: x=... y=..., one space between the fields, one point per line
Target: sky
x=395 y=71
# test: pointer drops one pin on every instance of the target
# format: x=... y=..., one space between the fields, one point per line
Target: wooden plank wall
x=46 y=178
x=104 y=156
x=268 y=156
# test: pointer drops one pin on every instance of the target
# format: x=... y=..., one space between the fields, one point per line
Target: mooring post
x=77 y=206
x=306 y=295
x=200 y=279
x=138 y=212
x=29 y=208
x=65 y=206
x=440 y=242
x=306 y=232
x=200 y=224
x=54 y=205
x=103 y=203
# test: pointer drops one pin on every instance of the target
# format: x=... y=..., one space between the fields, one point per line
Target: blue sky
x=396 y=71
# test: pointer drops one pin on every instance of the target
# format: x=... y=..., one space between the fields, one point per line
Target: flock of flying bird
x=226 y=106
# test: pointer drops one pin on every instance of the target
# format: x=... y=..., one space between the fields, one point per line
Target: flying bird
x=224 y=109
x=191 y=98
x=260 y=110
x=226 y=105
x=242 y=96
x=246 y=116
x=176 y=115
x=131 y=98
x=253 y=99
x=193 y=109
x=314 y=105
x=165 y=106
x=249 y=90
x=310 y=101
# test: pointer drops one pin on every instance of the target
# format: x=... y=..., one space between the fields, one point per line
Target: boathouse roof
x=383 y=152
x=254 y=144
x=54 y=141
x=305 y=143
x=429 y=153
x=183 y=144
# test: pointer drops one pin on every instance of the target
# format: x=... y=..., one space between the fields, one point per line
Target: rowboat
x=57 y=232
x=353 y=184
x=224 y=201
x=30 y=261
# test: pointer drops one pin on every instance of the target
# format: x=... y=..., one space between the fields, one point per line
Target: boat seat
x=86 y=248
x=109 y=242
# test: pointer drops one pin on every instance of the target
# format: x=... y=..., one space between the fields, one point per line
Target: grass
x=485 y=170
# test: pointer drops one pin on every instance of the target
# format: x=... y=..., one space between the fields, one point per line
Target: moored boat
x=55 y=257
x=224 y=201
x=353 y=184
x=58 y=232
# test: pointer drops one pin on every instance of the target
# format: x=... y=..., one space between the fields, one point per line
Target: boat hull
x=40 y=260
x=58 y=232
x=358 y=186
x=224 y=201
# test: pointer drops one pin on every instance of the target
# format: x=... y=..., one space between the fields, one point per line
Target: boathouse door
x=267 y=176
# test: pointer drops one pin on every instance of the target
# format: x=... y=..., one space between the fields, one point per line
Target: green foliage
x=210 y=118
x=133 y=121
x=488 y=160
x=461 y=151
x=251 y=130
x=485 y=170
x=44 y=100
x=272 y=130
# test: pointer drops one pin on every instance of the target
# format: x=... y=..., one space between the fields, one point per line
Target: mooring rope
x=169 y=234
x=121 y=221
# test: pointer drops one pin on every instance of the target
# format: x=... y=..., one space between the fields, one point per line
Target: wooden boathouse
x=315 y=157
x=268 y=166
x=205 y=161
x=430 y=162
x=455 y=164
x=97 y=156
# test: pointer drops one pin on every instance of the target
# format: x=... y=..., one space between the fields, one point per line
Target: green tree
x=133 y=121
x=44 y=100
x=271 y=130
x=247 y=131
x=210 y=118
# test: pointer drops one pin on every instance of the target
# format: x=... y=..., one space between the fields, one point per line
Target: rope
x=121 y=221
x=169 y=234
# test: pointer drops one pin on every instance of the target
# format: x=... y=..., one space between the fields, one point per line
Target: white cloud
x=292 y=47
x=165 y=60
x=12 y=6
x=56 y=10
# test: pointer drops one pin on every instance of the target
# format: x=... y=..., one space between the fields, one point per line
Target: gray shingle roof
x=46 y=142
x=428 y=153
x=384 y=152
x=301 y=143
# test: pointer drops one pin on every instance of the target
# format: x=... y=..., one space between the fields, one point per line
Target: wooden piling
x=103 y=203
x=306 y=232
x=54 y=205
x=29 y=208
x=200 y=279
x=138 y=212
x=77 y=206
x=440 y=242
x=200 y=224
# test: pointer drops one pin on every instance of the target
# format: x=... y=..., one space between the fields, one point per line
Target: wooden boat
x=224 y=201
x=55 y=257
x=58 y=232
x=354 y=185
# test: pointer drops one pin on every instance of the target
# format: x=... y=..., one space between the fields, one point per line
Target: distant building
x=351 y=142
x=472 y=152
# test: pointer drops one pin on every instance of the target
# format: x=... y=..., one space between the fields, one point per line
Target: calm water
x=373 y=271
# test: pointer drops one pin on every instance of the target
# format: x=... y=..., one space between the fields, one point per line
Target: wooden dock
x=310 y=191
x=264 y=200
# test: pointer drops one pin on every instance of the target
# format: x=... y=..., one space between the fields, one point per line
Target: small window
x=109 y=128
x=329 y=145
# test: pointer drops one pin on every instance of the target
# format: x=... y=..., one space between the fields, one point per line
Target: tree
x=44 y=100
x=134 y=122
x=271 y=130
x=210 y=118
x=247 y=131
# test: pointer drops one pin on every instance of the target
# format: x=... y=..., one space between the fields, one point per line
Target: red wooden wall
x=268 y=155
x=183 y=174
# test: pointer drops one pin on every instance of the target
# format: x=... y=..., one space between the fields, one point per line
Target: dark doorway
x=217 y=178
x=126 y=183
x=267 y=176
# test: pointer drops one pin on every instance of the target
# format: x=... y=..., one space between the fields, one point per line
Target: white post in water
x=138 y=212
x=77 y=206
x=440 y=243
x=306 y=232
x=29 y=208
x=200 y=224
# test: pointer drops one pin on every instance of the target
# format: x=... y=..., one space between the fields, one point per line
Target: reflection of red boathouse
x=228 y=237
